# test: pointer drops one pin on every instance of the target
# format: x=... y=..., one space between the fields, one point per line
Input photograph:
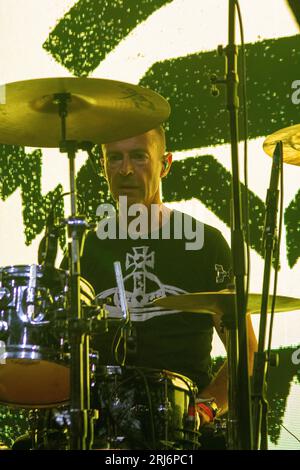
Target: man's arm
x=218 y=388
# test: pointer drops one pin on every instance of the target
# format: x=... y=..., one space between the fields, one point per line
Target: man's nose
x=126 y=167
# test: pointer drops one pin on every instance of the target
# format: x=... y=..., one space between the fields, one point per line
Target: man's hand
x=203 y=412
x=204 y=418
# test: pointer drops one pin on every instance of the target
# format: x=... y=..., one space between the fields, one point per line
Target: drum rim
x=23 y=270
x=111 y=370
x=18 y=268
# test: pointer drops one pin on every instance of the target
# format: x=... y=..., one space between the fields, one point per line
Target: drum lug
x=4 y=331
x=4 y=297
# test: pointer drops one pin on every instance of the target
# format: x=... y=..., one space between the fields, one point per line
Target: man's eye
x=140 y=156
x=114 y=158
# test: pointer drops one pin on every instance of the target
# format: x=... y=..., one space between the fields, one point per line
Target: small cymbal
x=290 y=137
x=221 y=301
x=100 y=111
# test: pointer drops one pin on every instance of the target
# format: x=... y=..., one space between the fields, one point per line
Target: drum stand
x=261 y=360
x=81 y=415
x=239 y=414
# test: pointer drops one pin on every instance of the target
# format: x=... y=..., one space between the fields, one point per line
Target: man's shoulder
x=209 y=230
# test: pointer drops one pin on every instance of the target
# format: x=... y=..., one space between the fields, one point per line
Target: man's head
x=134 y=167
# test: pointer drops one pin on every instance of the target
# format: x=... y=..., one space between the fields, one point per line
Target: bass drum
x=144 y=409
x=34 y=366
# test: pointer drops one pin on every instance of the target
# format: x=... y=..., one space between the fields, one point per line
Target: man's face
x=133 y=168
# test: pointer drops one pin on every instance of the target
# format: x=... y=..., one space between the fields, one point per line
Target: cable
x=51 y=212
x=116 y=343
x=89 y=148
x=60 y=196
x=286 y=429
x=277 y=261
x=245 y=123
x=141 y=373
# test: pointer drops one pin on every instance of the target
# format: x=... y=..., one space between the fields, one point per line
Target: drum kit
x=47 y=315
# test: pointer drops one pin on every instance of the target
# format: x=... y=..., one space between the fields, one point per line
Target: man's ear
x=167 y=162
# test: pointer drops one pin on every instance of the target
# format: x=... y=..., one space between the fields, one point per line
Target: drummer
x=162 y=252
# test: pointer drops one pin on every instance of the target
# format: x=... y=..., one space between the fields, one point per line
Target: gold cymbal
x=222 y=301
x=100 y=111
x=290 y=137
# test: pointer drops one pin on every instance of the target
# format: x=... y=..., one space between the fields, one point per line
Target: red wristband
x=207 y=410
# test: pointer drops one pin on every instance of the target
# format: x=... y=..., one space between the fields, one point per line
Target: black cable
x=245 y=124
x=148 y=394
x=292 y=434
x=115 y=420
x=295 y=7
x=53 y=206
x=51 y=231
x=56 y=200
x=135 y=373
x=116 y=343
x=277 y=262
x=89 y=148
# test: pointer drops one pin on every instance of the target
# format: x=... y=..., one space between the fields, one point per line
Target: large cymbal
x=290 y=137
x=222 y=301
x=100 y=111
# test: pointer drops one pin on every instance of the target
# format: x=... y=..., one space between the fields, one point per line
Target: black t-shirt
x=165 y=339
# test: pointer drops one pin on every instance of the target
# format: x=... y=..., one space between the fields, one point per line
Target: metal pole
x=81 y=415
x=237 y=244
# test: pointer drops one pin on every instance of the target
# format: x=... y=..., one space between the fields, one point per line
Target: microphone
x=272 y=196
x=128 y=332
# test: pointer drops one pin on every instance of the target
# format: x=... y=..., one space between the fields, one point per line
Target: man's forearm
x=218 y=389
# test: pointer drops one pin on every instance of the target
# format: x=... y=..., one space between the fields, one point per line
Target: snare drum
x=34 y=368
x=143 y=409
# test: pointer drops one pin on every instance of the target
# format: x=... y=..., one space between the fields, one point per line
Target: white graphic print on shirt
x=142 y=287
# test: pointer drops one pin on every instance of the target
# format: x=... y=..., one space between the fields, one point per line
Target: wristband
x=209 y=406
x=207 y=410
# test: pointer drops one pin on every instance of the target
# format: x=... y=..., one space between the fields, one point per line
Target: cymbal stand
x=261 y=361
x=81 y=415
x=239 y=384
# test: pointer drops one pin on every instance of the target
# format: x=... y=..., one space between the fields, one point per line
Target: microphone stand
x=127 y=334
x=239 y=410
x=261 y=360
x=81 y=415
